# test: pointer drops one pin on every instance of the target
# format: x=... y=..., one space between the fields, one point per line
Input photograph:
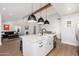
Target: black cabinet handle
x=49 y=43
x=41 y=46
x=40 y=42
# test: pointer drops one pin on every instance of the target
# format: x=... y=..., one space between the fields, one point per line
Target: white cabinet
x=39 y=47
x=49 y=45
x=44 y=46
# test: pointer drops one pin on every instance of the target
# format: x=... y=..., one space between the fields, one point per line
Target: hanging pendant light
x=32 y=17
x=40 y=20
x=46 y=21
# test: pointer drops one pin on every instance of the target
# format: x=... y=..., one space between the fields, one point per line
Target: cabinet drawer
x=41 y=42
x=39 y=48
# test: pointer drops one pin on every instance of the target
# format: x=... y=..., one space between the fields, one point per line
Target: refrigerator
x=77 y=38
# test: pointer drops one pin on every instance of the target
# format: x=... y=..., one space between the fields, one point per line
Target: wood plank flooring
x=11 y=48
x=64 y=50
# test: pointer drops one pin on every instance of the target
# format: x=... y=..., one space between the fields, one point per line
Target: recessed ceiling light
x=69 y=8
x=4 y=9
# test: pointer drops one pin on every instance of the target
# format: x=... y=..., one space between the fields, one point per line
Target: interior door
x=68 y=30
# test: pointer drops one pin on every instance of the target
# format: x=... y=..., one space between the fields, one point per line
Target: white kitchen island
x=36 y=45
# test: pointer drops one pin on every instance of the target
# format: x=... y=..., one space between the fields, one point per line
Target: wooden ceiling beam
x=42 y=8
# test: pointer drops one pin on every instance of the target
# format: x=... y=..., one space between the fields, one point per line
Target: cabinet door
x=49 y=45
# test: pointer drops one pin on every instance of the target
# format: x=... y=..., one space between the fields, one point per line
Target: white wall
x=68 y=34
x=11 y=25
x=54 y=25
x=0 y=29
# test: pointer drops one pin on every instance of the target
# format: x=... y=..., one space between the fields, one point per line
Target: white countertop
x=35 y=38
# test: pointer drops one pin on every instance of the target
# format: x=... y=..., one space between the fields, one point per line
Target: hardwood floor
x=11 y=48
x=64 y=50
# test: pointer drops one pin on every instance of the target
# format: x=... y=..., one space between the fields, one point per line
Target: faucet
x=42 y=31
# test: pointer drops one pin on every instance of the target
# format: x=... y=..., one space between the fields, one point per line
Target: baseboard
x=73 y=44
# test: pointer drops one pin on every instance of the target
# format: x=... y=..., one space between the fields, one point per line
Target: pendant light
x=46 y=21
x=32 y=17
x=40 y=20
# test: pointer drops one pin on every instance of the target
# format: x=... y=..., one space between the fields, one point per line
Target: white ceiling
x=66 y=8
x=15 y=11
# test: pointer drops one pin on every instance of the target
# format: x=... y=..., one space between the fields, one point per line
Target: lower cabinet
x=49 y=46
x=40 y=48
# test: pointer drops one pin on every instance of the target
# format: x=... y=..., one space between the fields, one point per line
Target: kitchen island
x=37 y=45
